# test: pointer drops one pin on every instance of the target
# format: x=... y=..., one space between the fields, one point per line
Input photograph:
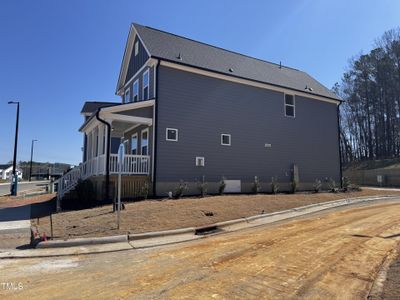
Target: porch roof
x=110 y=113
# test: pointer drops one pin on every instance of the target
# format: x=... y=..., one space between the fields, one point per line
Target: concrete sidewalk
x=14 y=234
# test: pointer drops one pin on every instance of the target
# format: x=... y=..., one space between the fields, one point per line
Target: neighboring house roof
x=6 y=166
x=91 y=106
x=182 y=50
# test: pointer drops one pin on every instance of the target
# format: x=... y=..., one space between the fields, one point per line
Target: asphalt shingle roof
x=92 y=106
x=167 y=46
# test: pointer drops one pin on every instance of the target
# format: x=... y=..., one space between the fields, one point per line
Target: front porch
x=104 y=130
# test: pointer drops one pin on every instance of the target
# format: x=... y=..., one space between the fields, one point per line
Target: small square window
x=200 y=161
x=225 y=139
x=136 y=48
x=290 y=106
x=172 y=134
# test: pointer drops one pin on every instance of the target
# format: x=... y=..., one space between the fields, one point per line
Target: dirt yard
x=8 y=201
x=156 y=215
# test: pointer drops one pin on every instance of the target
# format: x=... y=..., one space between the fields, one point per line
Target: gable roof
x=91 y=106
x=5 y=166
x=169 y=47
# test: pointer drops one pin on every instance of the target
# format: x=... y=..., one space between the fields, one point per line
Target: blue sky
x=54 y=55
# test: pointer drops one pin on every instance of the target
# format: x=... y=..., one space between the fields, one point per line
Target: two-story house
x=191 y=110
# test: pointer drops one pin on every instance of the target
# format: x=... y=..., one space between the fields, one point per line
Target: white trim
x=131 y=128
x=154 y=81
x=153 y=144
x=166 y=135
x=137 y=143
x=200 y=158
x=127 y=56
x=292 y=105
x=133 y=88
x=141 y=141
x=144 y=86
x=130 y=119
x=128 y=106
x=222 y=139
x=246 y=82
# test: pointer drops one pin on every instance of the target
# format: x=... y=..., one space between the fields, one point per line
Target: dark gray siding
x=202 y=108
x=136 y=62
x=140 y=77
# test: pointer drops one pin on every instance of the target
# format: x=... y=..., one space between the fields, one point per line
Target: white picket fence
x=133 y=165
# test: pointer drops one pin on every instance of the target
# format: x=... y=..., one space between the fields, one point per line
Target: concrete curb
x=186 y=234
x=146 y=235
x=83 y=242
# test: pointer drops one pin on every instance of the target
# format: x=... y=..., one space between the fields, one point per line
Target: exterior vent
x=230 y=70
x=179 y=56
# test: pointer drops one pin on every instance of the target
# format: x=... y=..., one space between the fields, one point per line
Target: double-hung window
x=136 y=90
x=290 y=106
x=134 y=144
x=145 y=142
x=127 y=97
x=146 y=80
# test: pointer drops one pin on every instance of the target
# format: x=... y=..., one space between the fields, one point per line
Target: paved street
x=336 y=254
x=22 y=186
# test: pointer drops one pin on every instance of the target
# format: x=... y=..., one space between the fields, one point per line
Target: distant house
x=190 y=111
x=6 y=172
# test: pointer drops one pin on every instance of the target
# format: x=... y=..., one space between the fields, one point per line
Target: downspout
x=155 y=124
x=340 y=150
x=108 y=125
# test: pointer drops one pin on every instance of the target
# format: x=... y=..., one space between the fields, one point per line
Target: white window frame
x=136 y=48
x=136 y=82
x=166 y=134
x=137 y=143
x=292 y=105
x=148 y=85
x=141 y=141
x=222 y=139
x=127 y=91
x=200 y=158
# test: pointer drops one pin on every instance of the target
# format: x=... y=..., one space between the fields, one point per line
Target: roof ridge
x=217 y=47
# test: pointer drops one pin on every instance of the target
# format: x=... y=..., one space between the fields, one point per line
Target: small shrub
x=354 y=188
x=346 y=183
x=293 y=186
x=332 y=186
x=274 y=185
x=317 y=185
x=180 y=189
x=83 y=196
x=202 y=186
x=145 y=189
x=222 y=186
x=256 y=185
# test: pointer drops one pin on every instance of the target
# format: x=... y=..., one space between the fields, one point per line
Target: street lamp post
x=14 y=181
x=30 y=168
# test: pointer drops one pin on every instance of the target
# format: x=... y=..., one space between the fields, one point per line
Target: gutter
x=108 y=125
x=340 y=150
x=155 y=126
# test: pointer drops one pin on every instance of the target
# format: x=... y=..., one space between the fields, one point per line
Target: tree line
x=370 y=114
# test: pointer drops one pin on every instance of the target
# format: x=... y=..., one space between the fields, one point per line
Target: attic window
x=136 y=48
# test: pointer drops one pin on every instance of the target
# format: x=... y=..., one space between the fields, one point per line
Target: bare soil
x=391 y=287
x=8 y=201
x=331 y=255
x=157 y=215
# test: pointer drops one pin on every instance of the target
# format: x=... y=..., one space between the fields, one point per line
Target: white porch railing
x=133 y=165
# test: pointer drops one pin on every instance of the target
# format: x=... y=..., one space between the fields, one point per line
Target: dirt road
x=327 y=256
